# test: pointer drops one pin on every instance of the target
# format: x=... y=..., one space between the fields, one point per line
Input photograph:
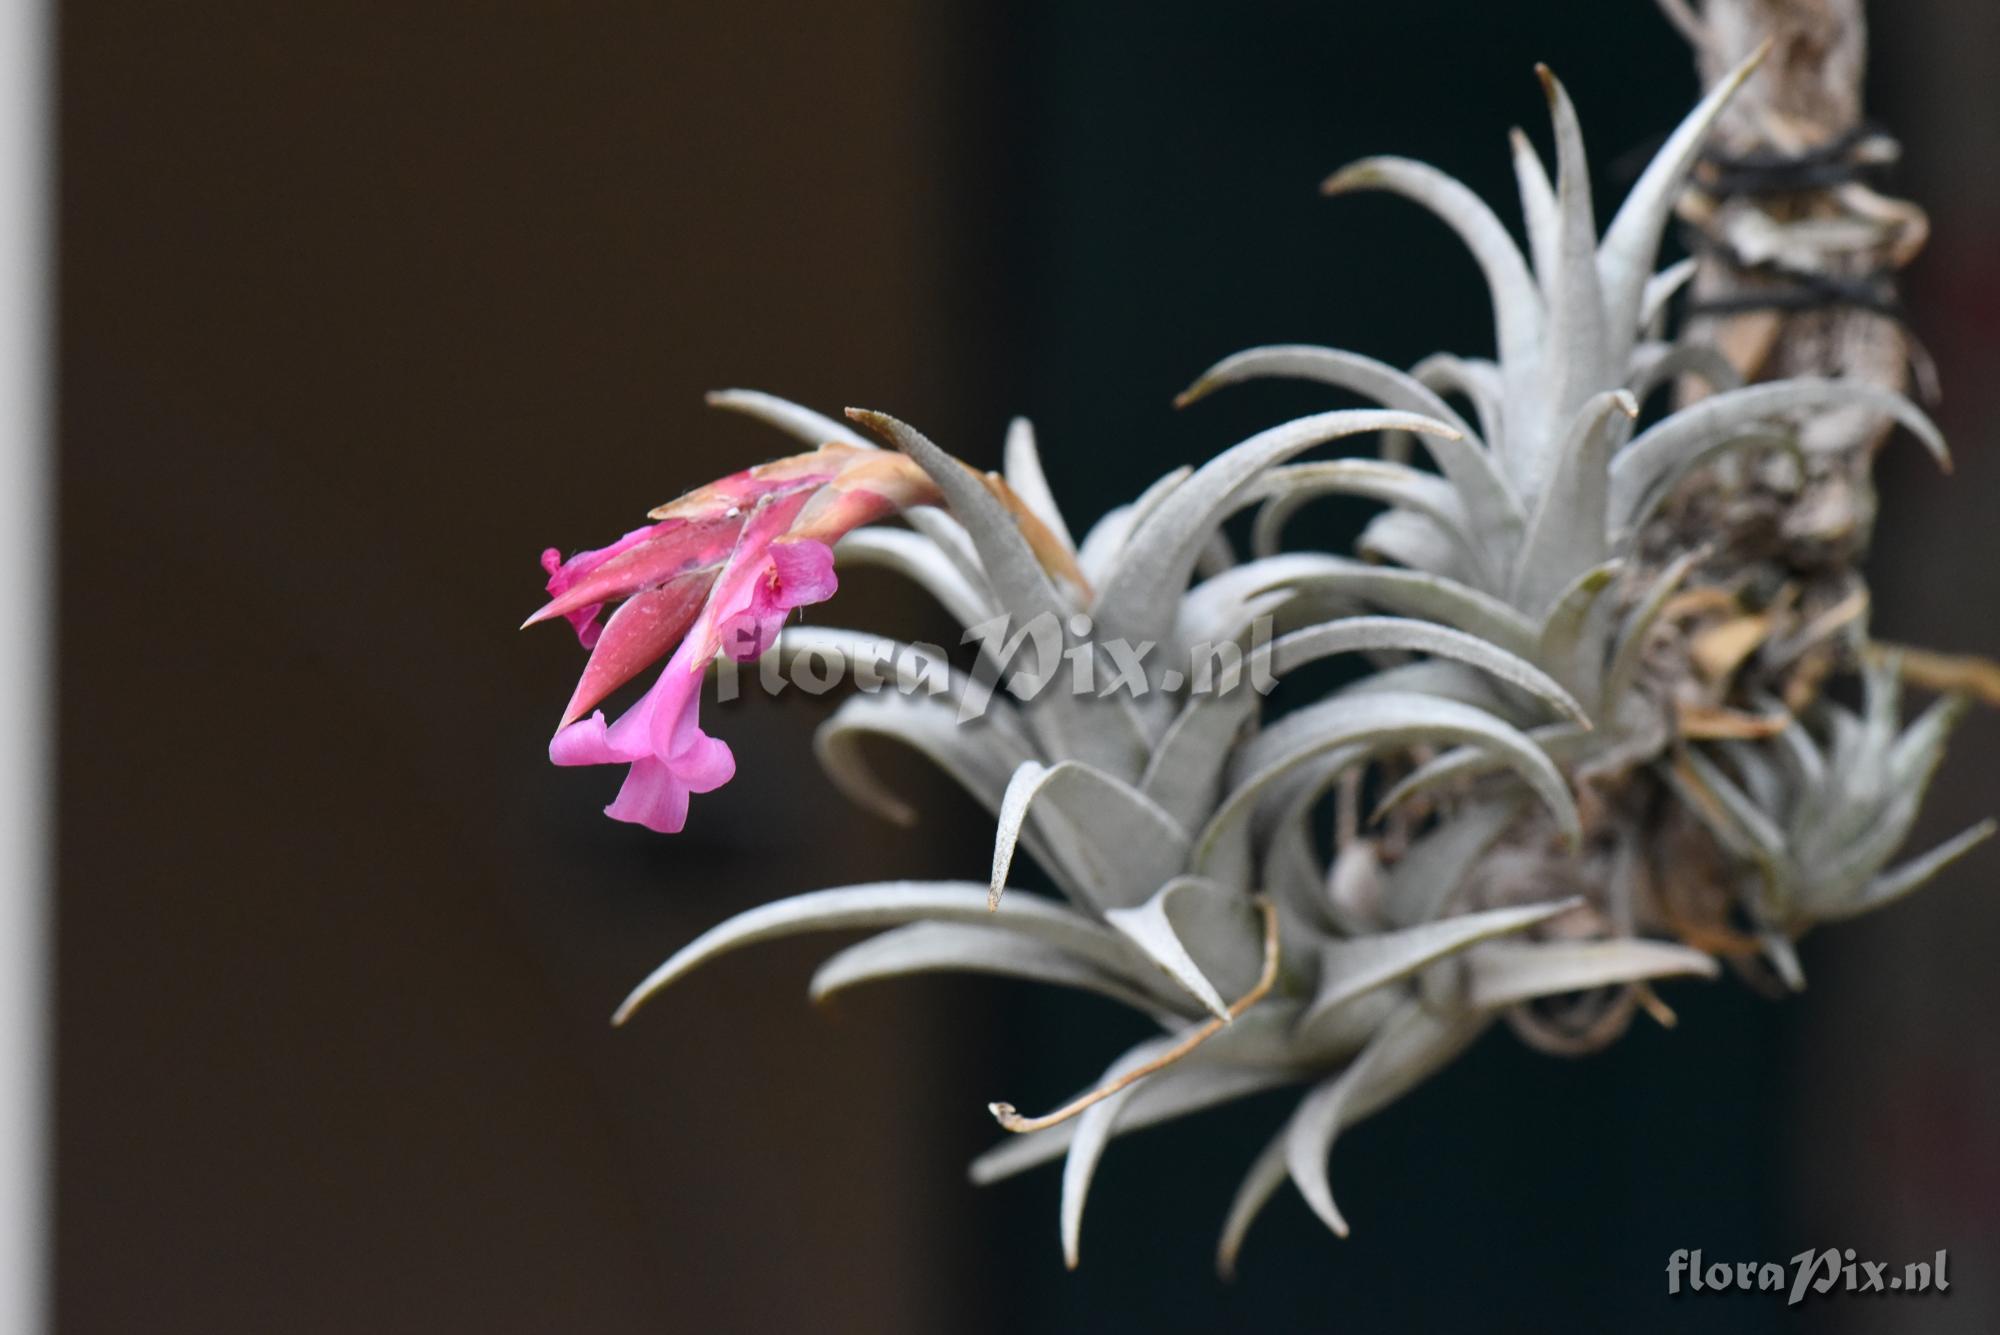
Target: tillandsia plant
x=1589 y=754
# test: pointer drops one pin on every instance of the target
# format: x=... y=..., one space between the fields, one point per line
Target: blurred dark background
x=362 y=306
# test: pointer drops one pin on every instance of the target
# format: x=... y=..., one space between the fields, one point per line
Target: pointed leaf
x=1504 y=973
x=1112 y=840
x=886 y=904
x=949 y=947
x=1138 y=596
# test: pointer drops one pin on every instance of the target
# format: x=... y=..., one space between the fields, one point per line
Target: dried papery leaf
x=887 y=904
x=1207 y=1077
x=1944 y=672
x=1717 y=651
x=939 y=947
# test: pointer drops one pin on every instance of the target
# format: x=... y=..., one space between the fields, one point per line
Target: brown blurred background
x=362 y=306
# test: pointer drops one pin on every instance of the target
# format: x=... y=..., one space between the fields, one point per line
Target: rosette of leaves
x=1528 y=532
x=1809 y=823
x=1146 y=809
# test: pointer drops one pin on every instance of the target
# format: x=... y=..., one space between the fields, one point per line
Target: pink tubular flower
x=718 y=572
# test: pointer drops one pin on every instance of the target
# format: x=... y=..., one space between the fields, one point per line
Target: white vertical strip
x=27 y=571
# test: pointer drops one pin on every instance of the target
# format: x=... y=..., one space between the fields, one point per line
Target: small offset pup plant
x=1593 y=751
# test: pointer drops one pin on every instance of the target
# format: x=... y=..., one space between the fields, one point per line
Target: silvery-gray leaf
x=1630 y=648
x=1094 y=1130
x=1284 y=490
x=1625 y=258
x=1184 y=775
x=1563 y=741
x=1657 y=364
x=950 y=947
x=980 y=755
x=1568 y=533
x=1728 y=812
x=1489 y=502
x=1414 y=542
x=1290 y=652
x=1437 y=864
x=1021 y=464
x=1569 y=648
x=1894 y=884
x=1011 y=569
x=888 y=904
x=953 y=544
x=1106 y=737
x=920 y=561
x=1412 y=1045
x=1660 y=290
x=1107 y=536
x=1517 y=306
x=1503 y=973
x=1112 y=840
x=1580 y=353
x=1348 y=968
x=1478 y=382
x=1538 y=205
x=1330 y=366
x=1267 y=1173
x=1386 y=719
x=1138 y=596
x=1188 y=915
x=1644 y=470
x=1410 y=593
x=798 y=422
